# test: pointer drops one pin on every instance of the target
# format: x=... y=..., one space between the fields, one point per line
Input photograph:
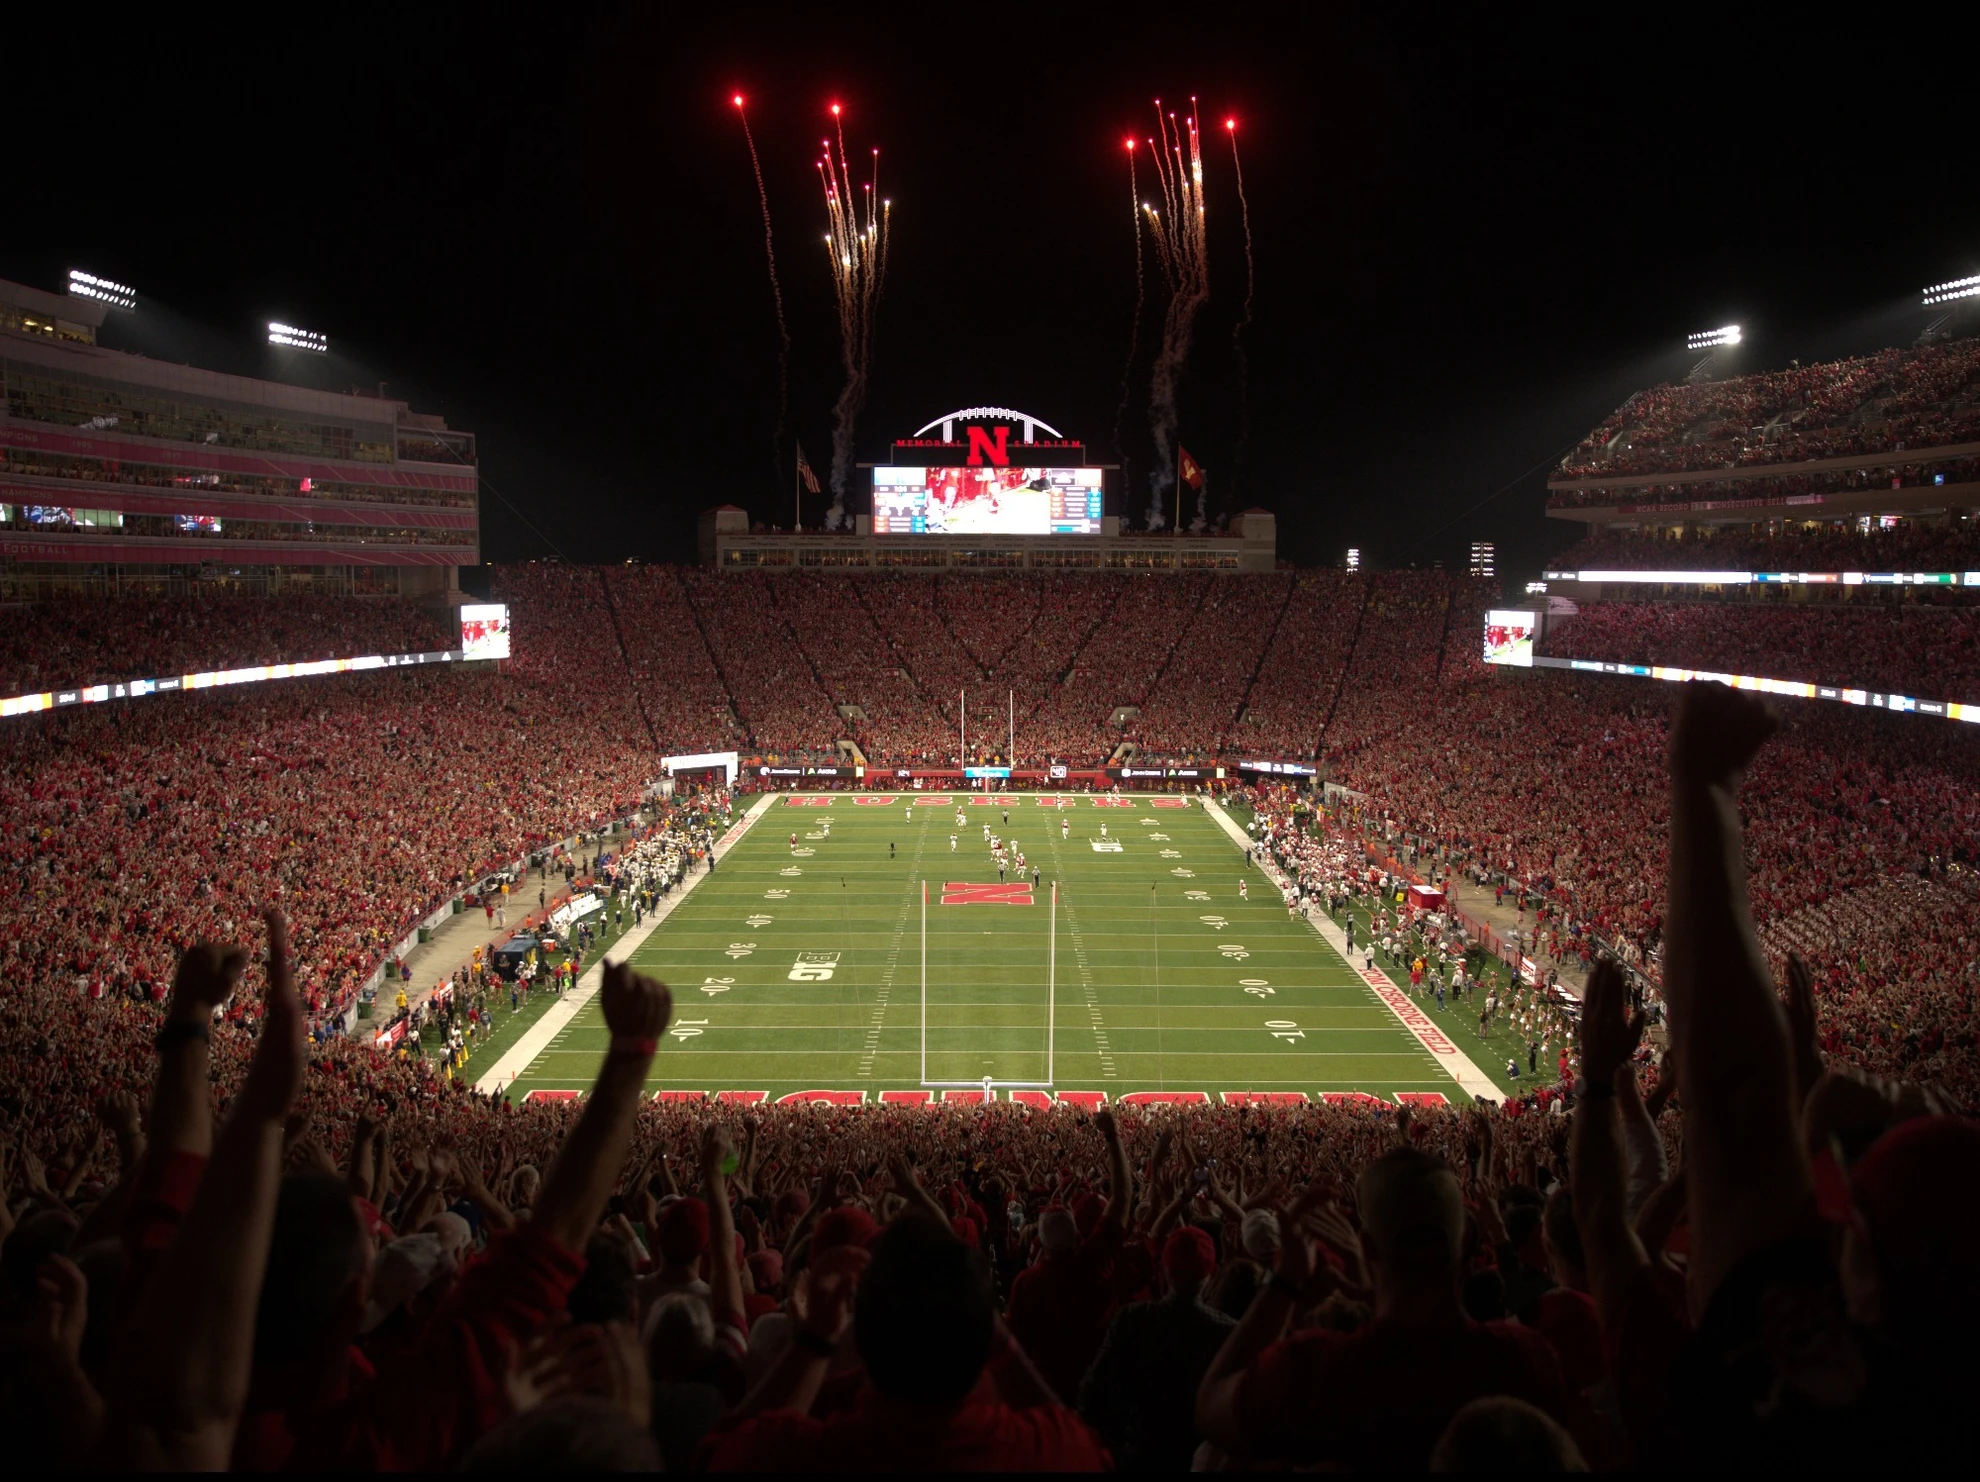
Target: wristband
x=180 y=1029
x=630 y=1045
x=815 y=1344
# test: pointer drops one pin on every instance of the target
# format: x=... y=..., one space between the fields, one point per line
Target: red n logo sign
x=962 y=893
x=981 y=447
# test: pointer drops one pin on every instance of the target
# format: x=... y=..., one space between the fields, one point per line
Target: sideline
x=1453 y=1061
x=536 y=1039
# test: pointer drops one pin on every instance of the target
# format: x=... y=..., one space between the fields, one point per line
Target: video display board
x=987 y=501
x=1509 y=637
x=484 y=630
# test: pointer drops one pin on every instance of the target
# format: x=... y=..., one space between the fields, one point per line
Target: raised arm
x=182 y=1101
x=725 y=1290
x=1609 y=1034
x=1120 y=1184
x=637 y=1009
x=178 y=1393
x=1749 y=1179
x=1264 y=1322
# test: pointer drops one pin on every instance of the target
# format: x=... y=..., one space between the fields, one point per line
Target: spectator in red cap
x=681 y=1238
x=1140 y=1394
x=1059 y=1306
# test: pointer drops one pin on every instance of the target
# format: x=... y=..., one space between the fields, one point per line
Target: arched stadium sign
x=994 y=437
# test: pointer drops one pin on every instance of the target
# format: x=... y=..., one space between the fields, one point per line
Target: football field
x=880 y=954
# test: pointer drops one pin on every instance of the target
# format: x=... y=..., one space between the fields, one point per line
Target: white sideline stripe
x=1450 y=1059
x=536 y=1039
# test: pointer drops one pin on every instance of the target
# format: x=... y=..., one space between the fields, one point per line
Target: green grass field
x=802 y=969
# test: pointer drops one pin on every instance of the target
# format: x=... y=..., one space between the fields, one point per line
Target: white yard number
x=1172 y=854
x=1182 y=874
x=790 y=870
x=1256 y=987
x=713 y=986
x=759 y=920
x=776 y=895
x=1233 y=950
x=1106 y=846
x=686 y=1029
x=740 y=949
x=1218 y=922
x=1285 y=1029
x=1163 y=837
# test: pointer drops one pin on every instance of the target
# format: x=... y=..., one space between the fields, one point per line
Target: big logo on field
x=963 y=893
x=813 y=967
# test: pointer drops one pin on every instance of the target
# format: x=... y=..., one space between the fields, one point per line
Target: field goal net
x=948 y=1058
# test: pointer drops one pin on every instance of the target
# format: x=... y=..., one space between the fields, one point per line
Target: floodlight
x=298 y=339
x=88 y=285
x=1945 y=293
x=1707 y=339
x=1354 y=558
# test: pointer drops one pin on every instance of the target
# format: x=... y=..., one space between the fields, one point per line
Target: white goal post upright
x=924 y=982
x=1052 y=985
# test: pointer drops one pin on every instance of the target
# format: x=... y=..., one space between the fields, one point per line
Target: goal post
x=988 y=1083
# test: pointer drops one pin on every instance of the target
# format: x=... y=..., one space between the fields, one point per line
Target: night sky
x=1474 y=235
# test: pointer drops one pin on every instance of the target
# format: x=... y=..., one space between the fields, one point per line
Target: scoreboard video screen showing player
x=987 y=501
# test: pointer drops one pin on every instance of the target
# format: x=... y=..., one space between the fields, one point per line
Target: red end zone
x=966 y=893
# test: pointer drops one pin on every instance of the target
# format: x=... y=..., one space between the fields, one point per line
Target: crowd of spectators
x=1928 y=651
x=225 y=1246
x=777 y=694
x=68 y=643
x=1788 y=545
x=1780 y=489
x=674 y=678
x=1886 y=402
x=1194 y=701
x=361 y=802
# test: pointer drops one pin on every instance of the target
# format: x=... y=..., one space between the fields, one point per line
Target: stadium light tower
x=1945 y=293
x=1354 y=558
x=88 y=285
x=290 y=337
x=1714 y=342
x=1483 y=562
x=1712 y=339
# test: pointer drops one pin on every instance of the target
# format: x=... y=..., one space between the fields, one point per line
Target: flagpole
x=1178 y=529
x=797 y=490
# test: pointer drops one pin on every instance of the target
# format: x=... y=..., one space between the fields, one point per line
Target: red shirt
x=432 y=1400
x=1379 y=1399
x=880 y=1434
x=1060 y=1307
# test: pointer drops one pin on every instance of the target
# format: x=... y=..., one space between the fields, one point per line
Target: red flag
x=805 y=475
x=1192 y=471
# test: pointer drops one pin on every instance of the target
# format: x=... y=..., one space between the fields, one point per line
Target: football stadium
x=640 y=896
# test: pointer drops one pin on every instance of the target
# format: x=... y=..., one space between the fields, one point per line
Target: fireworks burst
x=776 y=297
x=1134 y=326
x=1244 y=319
x=856 y=248
x=1183 y=251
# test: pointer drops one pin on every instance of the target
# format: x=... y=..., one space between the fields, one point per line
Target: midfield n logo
x=963 y=893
